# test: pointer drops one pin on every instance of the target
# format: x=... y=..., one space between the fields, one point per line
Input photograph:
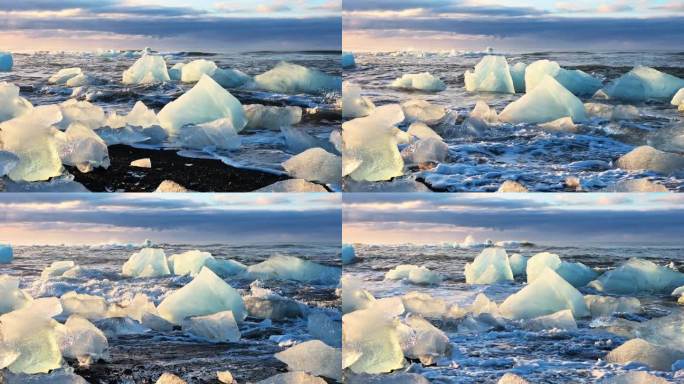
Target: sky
x=170 y=25
x=52 y=219
x=540 y=218
x=513 y=25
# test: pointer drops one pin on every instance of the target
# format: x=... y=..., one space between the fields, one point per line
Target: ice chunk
x=638 y=276
x=548 y=101
x=649 y=158
x=292 y=378
x=483 y=305
x=564 y=124
x=225 y=377
x=265 y=304
x=518 y=76
x=297 y=140
x=169 y=378
x=193 y=71
x=511 y=186
x=419 y=81
x=518 y=264
x=60 y=376
x=394 y=378
x=149 y=69
x=347 y=60
x=88 y=306
x=678 y=98
x=353 y=103
x=12 y=297
x=142 y=163
x=547 y=294
x=139 y=116
x=135 y=308
x=423 y=132
x=612 y=112
x=188 y=263
x=176 y=71
x=206 y=294
x=170 y=186
x=423 y=341
x=79 y=81
x=480 y=118
x=511 y=378
x=81 y=147
x=644 y=83
x=205 y=102
x=323 y=327
x=414 y=274
x=639 y=350
x=430 y=150
x=491 y=74
x=64 y=75
x=8 y=161
x=217 y=328
x=354 y=297
x=637 y=185
x=57 y=268
x=29 y=336
x=292 y=78
x=576 y=274
x=348 y=254
x=424 y=305
x=83 y=112
x=270 y=117
x=315 y=164
x=230 y=78
x=293 y=185
x=216 y=134
x=575 y=81
x=148 y=262
x=6 y=254
x=370 y=150
x=607 y=306
x=422 y=111
x=155 y=322
x=282 y=267
x=314 y=357
x=11 y=104
x=225 y=268
x=562 y=320
x=7 y=61
x=490 y=266
x=634 y=377
x=82 y=340
x=370 y=342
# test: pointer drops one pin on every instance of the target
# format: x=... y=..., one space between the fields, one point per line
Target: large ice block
x=6 y=254
x=491 y=74
x=271 y=117
x=370 y=342
x=639 y=350
x=188 y=263
x=576 y=274
x=348 y=60
x=64 y=75
x=82 y=340
x=283 y=267
x=354 y=297
x=423 y=341
x=315 y=164
x=149 y=69
x=353 y=103
x=292 y=78
x=576 y=81
x=219 y=327
x=148 y=262
x=548 y=101
x=11 y=104
x=419 y=81
x=644 y=83
x=649 y=158
x=82 y=148
x=90 y=307
x=638 y=276
x=490 y=266
x=7 y=61
x=423 y=111
x=314 y=357
x=193 y=71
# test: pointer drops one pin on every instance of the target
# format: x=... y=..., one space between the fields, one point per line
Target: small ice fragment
x=142 y=163
x=149 y=69
x=11 y=104
x=600 y=306
x=225 y=377
x=512 y=186
x=219 y=327
x=219 y=133
x=314 y=357
x=419 y=81
x=639 y=350
x=7 y=61
x=193 y=71
x=315 y=164
x=353 y=103
x=139 y=116
x=562 y=320
x=634 y=377
x=575 y=81
x=644 y=83
x=293 y=185
x=155 y=322
x=422 y=132
x=491 y=74
x=414 y=274
x=292 y=78
x=167 y=186
x=348 y=254
x=430 y=150
x=83 y=112
x=637 y=185
x=612 y=112
x=63 y=75
x=417 y=110
x=563 y=124
x=490 y=266
x=649 y=158
x=148 y=262
x=511 y=378
x=678 y=98
x=347 y=60
x=79 y=81
x=6 y=254
x=282 y=267
x=271 y=117
x=169 y=378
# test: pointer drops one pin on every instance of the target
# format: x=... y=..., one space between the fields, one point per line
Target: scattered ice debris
x=370 y=145
x=348 y=254
x=511 y=378
x=637 y=185
x=6 y=254
x=82 y=340
x=6 y=61
x=429 y=150
x=314 y=357
x=271 y=117
x=416 y=110
x=639 y=350
x=490 y=266
x=491 y=74
x=293 y=185
x=64 y=75
x=292 y=78
x=81 y=147
x=637 y=276
x=225 y=377
x=353 y=103
x=644 y=83
x=292 y=378
x=601 y=306
x=12 y=297
x=518 y=76
x=315 y=164
x=205 y=102
x=353 y=296
x=325 y=328
x=142 y=163
x=171 y=186
x=148 y=262
x=169 y=378
x=649 y=158
x=206 y=294
x=149 y=69
x=263 y=303
x=576 y=81
x=419 y=81
x=371 y=342
x=512 y=186
x=548 y=101
x=347 y=60
x=612 y=112
x=11 y=104
x=634 y=377
x=414 y=274
x=282 y=267
x=576 y=274
x=139 y=116
x=547 y=294
x=217 y=328
x=563 y=124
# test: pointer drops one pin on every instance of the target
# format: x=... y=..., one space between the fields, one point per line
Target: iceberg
x=490 y=266
x=421 y=110
x=82 y=340
x=88 y=306
x=314 y=357
x=638 y=276
x=354 y=297
x=205 y=102
x=7 y=61
x=548 y=101
x=148 y=262
x=292 y=78
x=57 y=269
x=64 y=75
x=81 y=147
x=424 y=305
x=644 y=83
x=12 y=297
x=188 y=263
x=206 y=294
x=11 y=104
x=562 y=320
x=649 y=158
x=639 y=350
x=6 y=254
x=547 y=294
x=353 y=103
x=348 y=254
x=371 y=342
x=139 y=116
x=217 y=328
x=265 y=304
x=370 y=150
x=347 y=60
x=292 y=378
x=270 y=117
x=601 y=306
x=518 y=264
x=282 y=267
x=491 y=74
x=423 y=341
x=315 y=164
x=219 y=133
x=323 y=327
x=193 y=71
x=149 y=69
x=576 y=274
x=419 y=81
x=575 y=81
x=518 y=76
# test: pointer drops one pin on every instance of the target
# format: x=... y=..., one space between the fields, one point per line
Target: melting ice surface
x=138 y=354
x=484 y=355
x=540 y=159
